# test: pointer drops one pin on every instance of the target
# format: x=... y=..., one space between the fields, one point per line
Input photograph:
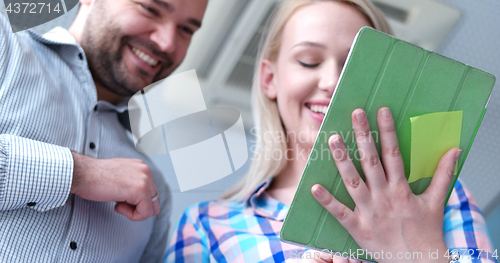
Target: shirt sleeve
x=189 y=242
x=33 y=174
x=465 y=229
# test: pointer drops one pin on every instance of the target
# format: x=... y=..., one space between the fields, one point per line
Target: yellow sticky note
x=432 y=135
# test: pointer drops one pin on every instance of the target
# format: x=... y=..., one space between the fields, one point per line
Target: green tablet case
x=382 y=70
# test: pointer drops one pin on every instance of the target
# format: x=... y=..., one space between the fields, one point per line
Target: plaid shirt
x=248 y=231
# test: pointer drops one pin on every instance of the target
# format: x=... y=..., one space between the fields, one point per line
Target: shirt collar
x=120 y=107
x=264 y=205
x=57 y=35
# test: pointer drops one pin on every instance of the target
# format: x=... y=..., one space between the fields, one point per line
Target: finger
x=156 y=205
x=438 y=189
x=130 y=211
x=339 y=259
x=155 y=198
x=141 y=200
x=144 y=209
x=391 y=156
x=125 y=209
x=150 y=190
x=342 y=213
x=141 y=196
x=130 y=160
x=352 y=181
x=133 y=212
x=315 y=257
x=370 y=160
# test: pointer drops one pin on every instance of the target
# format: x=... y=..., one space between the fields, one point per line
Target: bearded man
x=73 y=188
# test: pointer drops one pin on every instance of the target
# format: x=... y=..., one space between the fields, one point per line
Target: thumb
x=125 y=209
x=438 y=189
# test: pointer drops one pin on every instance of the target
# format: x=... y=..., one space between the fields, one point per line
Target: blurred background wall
x=223 y=54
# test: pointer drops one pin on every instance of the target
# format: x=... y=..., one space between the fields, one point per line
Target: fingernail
x=317 y=190
x=336 y=142
x=457 y=154
x=360 y=116
x=386 y=113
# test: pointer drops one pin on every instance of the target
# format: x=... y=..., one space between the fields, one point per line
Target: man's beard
x=104 y=51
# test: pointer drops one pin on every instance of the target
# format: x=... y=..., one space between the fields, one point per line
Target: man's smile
x=144 y=61
x=145 y=57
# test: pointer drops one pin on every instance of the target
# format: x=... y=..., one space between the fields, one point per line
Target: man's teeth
x=319 y=109
x=147 y=59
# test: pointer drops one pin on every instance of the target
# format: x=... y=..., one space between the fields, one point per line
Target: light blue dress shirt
x=48 y=108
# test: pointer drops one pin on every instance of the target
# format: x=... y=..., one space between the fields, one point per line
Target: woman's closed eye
x=306 y=65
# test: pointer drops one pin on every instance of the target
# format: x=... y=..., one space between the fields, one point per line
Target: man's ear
x=267 y=81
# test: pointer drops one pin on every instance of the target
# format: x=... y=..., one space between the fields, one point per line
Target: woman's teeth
x=147 y=59
x=319 y=109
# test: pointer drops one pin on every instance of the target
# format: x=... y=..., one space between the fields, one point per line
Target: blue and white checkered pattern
x=465 y=229
x=248 y=231
x=48 y=108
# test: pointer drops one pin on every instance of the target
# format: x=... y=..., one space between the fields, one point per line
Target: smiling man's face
x=130 y=44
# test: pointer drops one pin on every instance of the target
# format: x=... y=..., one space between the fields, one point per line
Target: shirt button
x=80 y=56
x=92 y=146
x=72 y=245
x=30 y=204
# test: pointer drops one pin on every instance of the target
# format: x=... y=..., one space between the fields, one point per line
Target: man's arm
x=41 y=176
x=33 y=174
x=126 y=181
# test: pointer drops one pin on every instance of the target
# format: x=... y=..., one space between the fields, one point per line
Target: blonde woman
x=298 y=67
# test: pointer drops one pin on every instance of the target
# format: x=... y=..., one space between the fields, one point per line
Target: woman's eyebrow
x=310 y=44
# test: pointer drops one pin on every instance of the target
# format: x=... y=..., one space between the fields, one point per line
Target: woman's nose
x=329 y=76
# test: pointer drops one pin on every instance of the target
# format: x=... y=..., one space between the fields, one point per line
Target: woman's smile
x=317 y=109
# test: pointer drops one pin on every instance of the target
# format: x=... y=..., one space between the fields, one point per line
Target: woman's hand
x=388 y=217
x=311 y=256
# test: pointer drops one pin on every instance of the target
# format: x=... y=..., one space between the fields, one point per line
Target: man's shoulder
x=17 y=46
x=4 y=24
x=6 y=34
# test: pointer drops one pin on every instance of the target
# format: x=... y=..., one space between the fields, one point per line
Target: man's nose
x=165 y=37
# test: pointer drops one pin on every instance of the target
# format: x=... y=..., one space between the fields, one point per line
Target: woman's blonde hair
x=266 y=116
